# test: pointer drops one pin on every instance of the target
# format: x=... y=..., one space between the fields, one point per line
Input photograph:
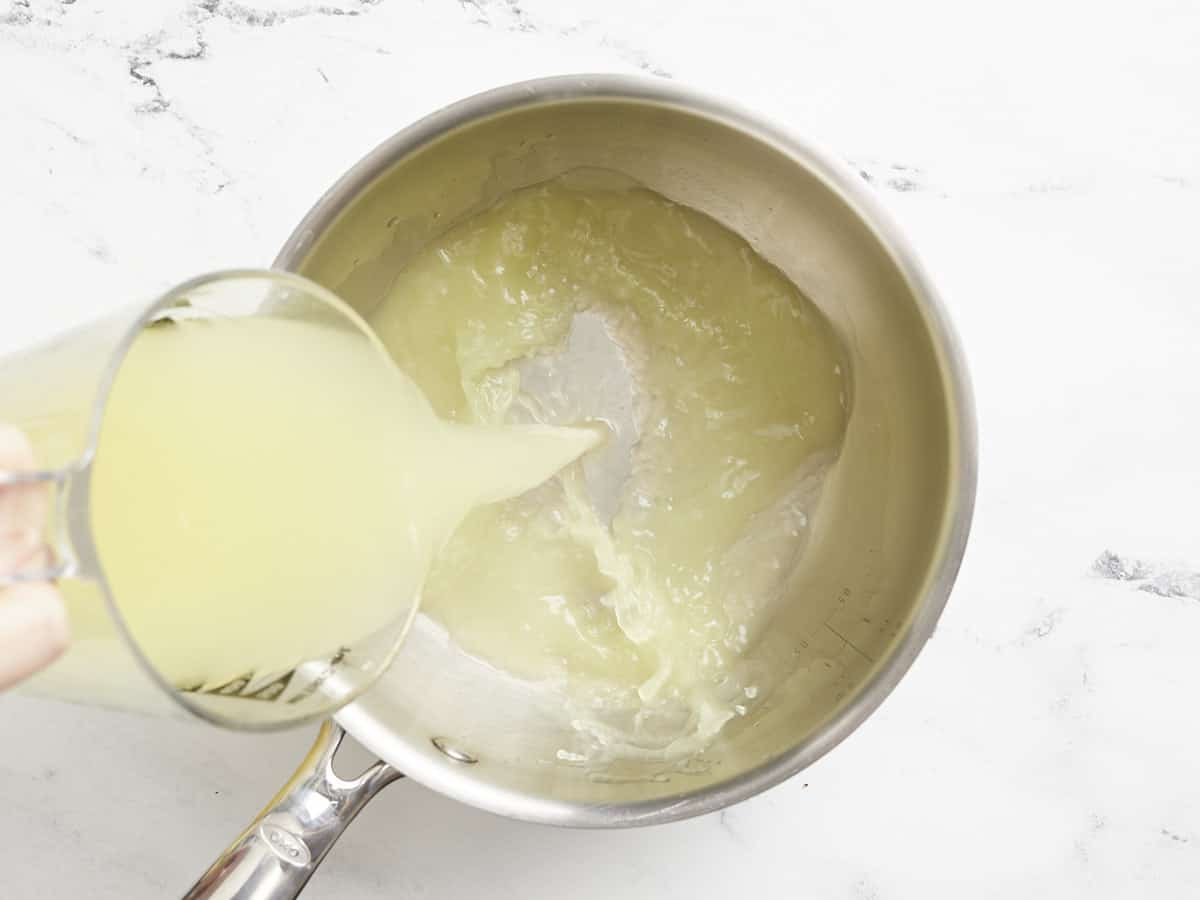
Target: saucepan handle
x=274 y=858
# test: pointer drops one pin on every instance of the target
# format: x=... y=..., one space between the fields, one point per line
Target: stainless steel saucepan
x=887 y=541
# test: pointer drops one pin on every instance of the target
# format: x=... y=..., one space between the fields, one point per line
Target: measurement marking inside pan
x=848 y=643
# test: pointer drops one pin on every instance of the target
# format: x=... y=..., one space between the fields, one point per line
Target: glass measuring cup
x=124 y=653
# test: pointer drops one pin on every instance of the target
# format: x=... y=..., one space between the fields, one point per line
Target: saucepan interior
x=892 y=524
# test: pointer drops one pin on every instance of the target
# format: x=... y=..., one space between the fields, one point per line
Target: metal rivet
x=462 y=756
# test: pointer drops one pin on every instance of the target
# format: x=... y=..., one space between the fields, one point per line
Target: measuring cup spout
x=502 y=461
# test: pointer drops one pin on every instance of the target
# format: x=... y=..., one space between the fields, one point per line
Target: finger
x=15 y=450
x=22 y=551
x=22 y=506
x=33 y=630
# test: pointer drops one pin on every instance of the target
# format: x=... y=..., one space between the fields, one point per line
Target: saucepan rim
x=449 y=777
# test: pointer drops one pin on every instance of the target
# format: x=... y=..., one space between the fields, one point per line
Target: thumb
x=33 y=620
x=33 y=630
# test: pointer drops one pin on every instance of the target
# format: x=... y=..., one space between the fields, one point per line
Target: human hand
x=33 y=620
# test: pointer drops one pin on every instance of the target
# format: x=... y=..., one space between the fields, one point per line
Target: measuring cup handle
x=64 y=565
x=274 y=858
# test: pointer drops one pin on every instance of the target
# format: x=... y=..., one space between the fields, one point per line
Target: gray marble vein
x=1163 y=580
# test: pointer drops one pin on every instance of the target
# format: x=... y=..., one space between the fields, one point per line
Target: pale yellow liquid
x=268 y=491
x=640 y=608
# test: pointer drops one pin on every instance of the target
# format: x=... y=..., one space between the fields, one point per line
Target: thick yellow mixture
x=266 y=491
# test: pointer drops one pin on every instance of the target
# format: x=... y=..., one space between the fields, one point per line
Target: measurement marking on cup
x=845 y=640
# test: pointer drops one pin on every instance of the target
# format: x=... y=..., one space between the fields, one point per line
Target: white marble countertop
x=1045 y=159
